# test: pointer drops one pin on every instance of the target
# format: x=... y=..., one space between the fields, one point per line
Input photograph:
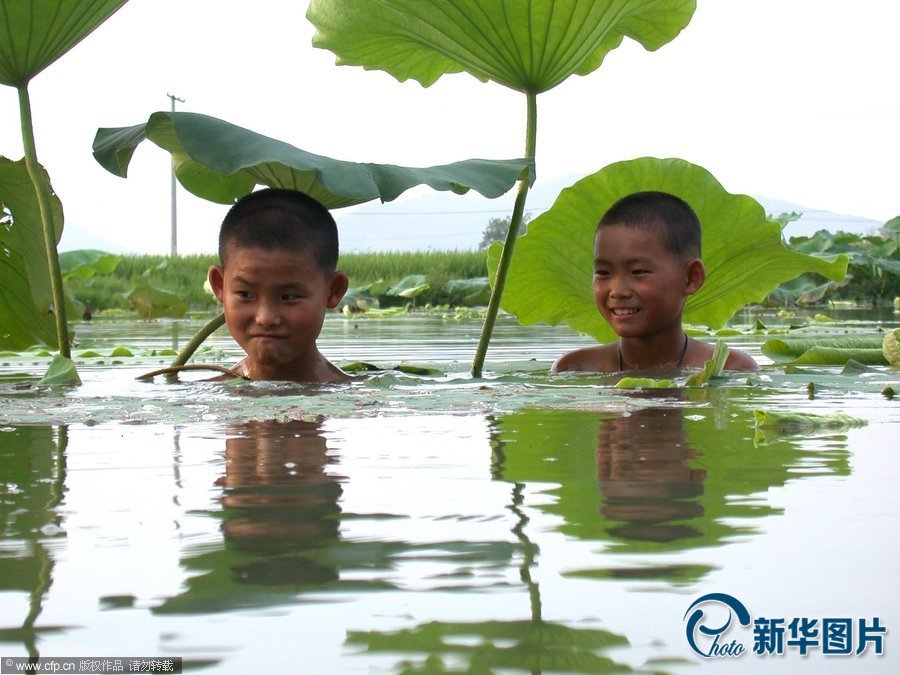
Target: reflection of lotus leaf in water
x=32 y=473
x=651 y=480
x=533 y=646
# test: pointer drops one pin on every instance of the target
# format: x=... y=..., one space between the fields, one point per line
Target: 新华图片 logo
x=725 y=637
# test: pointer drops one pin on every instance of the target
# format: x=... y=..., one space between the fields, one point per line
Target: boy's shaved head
x=276 y=219
x=672 y=216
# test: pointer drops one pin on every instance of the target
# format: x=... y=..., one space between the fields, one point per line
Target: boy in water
x=278 y=252
x=646 y=263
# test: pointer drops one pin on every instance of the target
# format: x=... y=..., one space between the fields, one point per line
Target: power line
x=443 y=213
x=827 y=216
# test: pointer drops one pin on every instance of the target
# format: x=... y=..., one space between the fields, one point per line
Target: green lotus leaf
x=825 y=351
x=151 y=302
x=890 y=347
x=357 y=300
x=804 y=290
x=407 y=284
x=25 y=296
x=712 y=368
x=471 y=292
x=645 y=383
x=37 y=32
x=221 y=162
x=527 y=45
x=359 y=367
x=61 y=371
x=85 y=263
x=380 y=313
x=414 y=292
x=893 y=225
x=412 y=369
x=550 y=278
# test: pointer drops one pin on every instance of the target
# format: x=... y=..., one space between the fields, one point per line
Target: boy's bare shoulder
x=597 y=359
x=700 y=352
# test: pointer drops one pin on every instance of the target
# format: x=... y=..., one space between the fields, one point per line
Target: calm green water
x=519 y=523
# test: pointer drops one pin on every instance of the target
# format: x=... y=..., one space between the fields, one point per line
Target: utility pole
x=174 y=214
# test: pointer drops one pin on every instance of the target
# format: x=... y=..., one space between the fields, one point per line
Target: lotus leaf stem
x=506 y=256
x=188 y=351
x=42 y=192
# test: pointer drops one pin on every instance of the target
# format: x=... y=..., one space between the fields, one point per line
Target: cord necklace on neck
x=677 y=365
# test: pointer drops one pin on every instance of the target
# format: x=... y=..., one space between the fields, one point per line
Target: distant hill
x=440 y=221
x=429 y=220
x=435 y=220
x=814 y=220
x=75 y=238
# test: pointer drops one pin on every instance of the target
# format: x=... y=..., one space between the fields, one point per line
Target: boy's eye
x=640 y=271
x=601 y=273
x=243 y=295
x=290 y=297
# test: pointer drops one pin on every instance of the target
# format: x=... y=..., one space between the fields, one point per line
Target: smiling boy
x=277 y=276
x=646 y=264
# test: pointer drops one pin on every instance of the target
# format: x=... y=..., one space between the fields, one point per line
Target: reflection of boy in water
x=280 y=499
x=644 y=476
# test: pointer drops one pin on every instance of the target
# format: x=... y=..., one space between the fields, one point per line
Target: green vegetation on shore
x=873 y=276
x=184 y=276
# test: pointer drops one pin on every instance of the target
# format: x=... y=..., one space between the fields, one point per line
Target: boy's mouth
x=622 y=311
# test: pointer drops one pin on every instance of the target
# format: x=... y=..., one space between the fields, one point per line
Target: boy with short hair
x=278 y=252
x=646 y=263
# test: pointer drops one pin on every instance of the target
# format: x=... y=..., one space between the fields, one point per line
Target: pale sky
x=790 y=99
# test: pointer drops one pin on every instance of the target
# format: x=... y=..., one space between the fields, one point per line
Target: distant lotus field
x=160 y=285
x=103 y=283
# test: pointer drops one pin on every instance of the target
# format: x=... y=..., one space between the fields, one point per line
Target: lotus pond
x=430 y=522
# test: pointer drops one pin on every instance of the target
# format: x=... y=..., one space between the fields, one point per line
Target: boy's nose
x=619 y=288
x=267 y=314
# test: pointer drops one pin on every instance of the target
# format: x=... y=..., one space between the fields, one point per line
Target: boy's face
x=274 y=303
x=639 y=286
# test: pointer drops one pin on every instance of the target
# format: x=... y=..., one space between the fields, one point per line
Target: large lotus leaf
x=222 y=162
x=25 y=297
x=550 y=278
x=85 y=263
x=893 y=225
x=35 y=33
x=528 y=45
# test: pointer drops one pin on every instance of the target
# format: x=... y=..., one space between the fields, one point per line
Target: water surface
x=518 y=523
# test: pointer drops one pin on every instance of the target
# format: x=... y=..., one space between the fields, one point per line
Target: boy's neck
x=654 y=353
x=314 y=369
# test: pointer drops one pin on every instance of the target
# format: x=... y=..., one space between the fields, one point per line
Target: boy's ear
x=216 y=281
x=339 y=285
x=696 y=275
